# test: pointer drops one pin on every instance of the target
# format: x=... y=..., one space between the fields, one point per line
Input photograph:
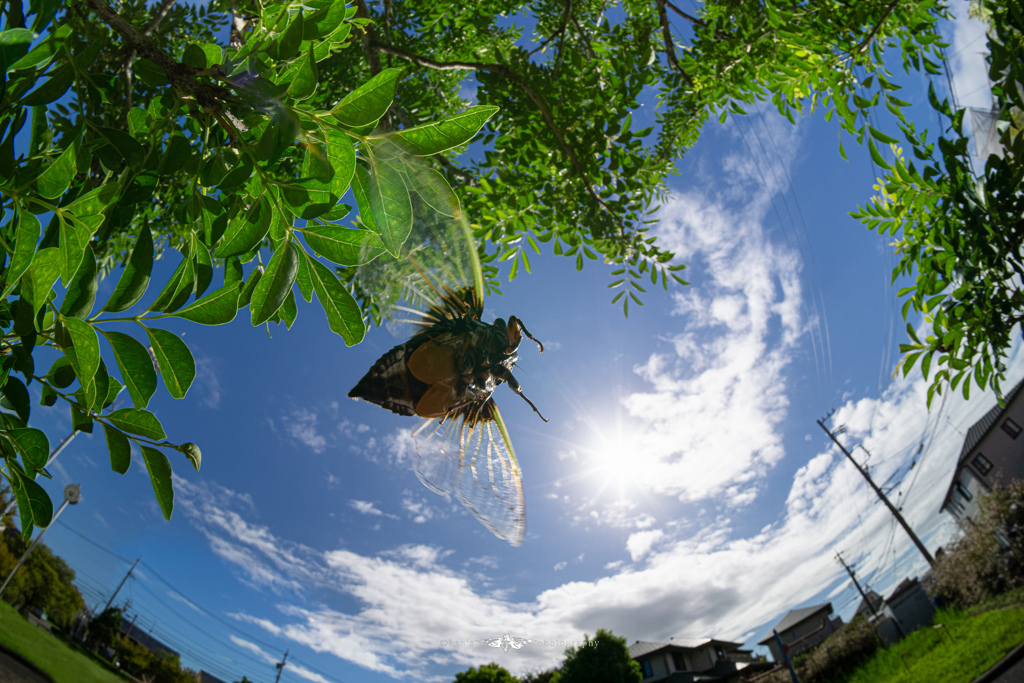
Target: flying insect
x=448 y=370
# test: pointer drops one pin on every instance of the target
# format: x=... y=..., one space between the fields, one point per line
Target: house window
x=720 y=652
x=982 y=464
x=647 y=669
x=679 y=661
x=963 y=491
x=1011 y=428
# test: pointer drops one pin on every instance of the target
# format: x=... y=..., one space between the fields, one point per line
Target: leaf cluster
x=958 y=233
x=147 y=138
x=565 y=163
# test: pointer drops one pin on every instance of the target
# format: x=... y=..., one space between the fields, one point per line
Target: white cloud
x=640 y=543
x=364 y=507
x=301 y=425
x=207 y=382
x=967 y=53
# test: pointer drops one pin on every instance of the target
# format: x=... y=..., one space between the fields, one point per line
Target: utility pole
x=860 y=590
x=881 y=496
x=280 y=666
x=107 y=606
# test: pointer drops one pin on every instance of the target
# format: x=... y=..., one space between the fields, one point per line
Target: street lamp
x=72 y=494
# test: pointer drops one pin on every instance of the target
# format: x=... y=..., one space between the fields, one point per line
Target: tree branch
x=670 y=48
x=181 y=76
x=511 y=76
x=565 y=22
x=878 y=27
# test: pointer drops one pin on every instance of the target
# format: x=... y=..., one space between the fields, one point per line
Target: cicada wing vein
x=470 y=456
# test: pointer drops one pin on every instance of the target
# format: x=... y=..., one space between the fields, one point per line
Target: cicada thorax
x=453 y=364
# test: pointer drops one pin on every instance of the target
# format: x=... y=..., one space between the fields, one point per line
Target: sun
x=614 y=456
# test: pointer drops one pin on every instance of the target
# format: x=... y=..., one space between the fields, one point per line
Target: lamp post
x=72 y=494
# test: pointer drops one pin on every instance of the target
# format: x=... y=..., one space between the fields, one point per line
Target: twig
x=510 y=75
x=565 y=21
x=878 y=27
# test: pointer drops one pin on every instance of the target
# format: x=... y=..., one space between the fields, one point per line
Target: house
x=205 y=677
x=864 y=609
x=801 y=629
x=910 y=606
x=686 y=660
x=992 y=457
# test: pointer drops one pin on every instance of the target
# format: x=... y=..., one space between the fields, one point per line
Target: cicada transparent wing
x=470 y=456
x=437 y=274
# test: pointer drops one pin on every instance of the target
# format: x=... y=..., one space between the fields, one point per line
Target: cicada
x=448 y=370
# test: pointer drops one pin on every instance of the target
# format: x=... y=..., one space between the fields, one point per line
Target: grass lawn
x=968 y=646
x=62 y=663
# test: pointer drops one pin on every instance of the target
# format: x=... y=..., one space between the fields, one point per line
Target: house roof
x=905 y=585
x=863 y=609
x=722 y=671
x=144 y=639
x=646 y=647
x=795 y=617
x=976 y=433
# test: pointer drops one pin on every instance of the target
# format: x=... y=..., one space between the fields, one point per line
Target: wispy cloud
x=207 y=383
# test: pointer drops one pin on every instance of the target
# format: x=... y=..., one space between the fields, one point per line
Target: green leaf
x=135 y=278
x=876 y=156
x=127 y=146
x=288 y=43
x=177 y=365
x=54 y=88
x=343 y=315
x=159 y=469
x=246 y=230
x=119 y=448
x=17 y=397
x=38 y=280
x=275 y=284
x=86 y=357
x=389 y=203
x=40 y=507
x=178 y=289
x=135 y=421
x=343 y=245
x=57 y=177
x=289 y=310
x=24 y=248
x=81 y=294
x=74 y=240
x=136 y=367
x=305 y=81
x=80 y=420
x=433 y=189
x=33 y=446
x=440 y=136
x=367 y=103
x=216 y=308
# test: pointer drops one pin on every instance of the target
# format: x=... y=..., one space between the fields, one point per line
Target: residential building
x=992 y=457
x=686 y=660
x=802 y=629
x=206 y=677
x=864 y=609
x=910 y=606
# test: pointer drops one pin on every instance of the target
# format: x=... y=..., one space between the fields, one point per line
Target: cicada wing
x=437 y=454
x=437 y=273
x=471 y=456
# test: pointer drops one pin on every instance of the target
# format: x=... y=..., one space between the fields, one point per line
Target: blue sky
x=681 y=487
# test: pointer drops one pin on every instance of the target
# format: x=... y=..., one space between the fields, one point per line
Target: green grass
x=63 y=663
x=967 y=647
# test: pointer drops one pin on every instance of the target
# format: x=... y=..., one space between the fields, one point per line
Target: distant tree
x=244 y=680
x=487 y=673
x=601 y=659
x=43 y=582
x=105 y=628
x=989 y=558
x=539 y=676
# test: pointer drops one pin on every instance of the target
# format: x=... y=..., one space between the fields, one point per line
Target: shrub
x=835 y=658
x=989 y=558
